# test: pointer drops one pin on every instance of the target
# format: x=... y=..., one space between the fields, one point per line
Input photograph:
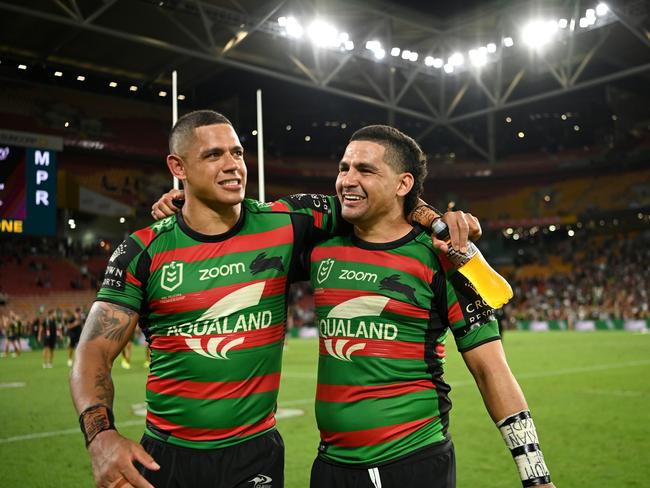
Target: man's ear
x=406 y=182
x=176 y=166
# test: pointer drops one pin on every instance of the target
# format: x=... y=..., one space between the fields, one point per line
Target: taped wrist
x=96 y=419
x=520 y=436
x=425 y=215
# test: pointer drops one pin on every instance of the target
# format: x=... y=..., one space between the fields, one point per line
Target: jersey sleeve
x=323 y=212
x=469 y=318
x=125 y=276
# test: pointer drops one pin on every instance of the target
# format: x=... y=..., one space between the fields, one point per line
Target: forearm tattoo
x=104 y=388
x=108 y=321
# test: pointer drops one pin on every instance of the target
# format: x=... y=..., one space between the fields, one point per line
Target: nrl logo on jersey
x=119 y=251
x=324 y=269
x=171 y=276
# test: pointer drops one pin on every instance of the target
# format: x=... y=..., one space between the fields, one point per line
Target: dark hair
x=402 y=153
x=184 y=127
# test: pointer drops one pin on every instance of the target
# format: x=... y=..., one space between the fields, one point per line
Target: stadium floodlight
x=133 y=88
x=552 y=228
x=379 y=53
x=162 y=93
x=521 y=134
x=81 y=78
x=584 y=22
x=344 y=37
x=456 y=59
x=181 y=97
x=590 y=13
x=576 y=128
x=282 y=21
x=438 y=62
x=538 y=33
x=395 y=51
x=122 y=220
x=406 y=54
x=571 y=233
x=508 y=119
x=491 y=48
x=508 y=42
x=113 y=84
x=67 y=124
x=449 y=68
x=323 y=34
x=602 y=9
x=349 y=45
x=428 y=61
x=563 y=23
x=373 y=45
x=413 y=56
x=58 y=74
x=293 y=28
x=478 y=57
x=22 y=66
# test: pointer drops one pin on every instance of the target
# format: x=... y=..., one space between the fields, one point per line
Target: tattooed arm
x=107 y=330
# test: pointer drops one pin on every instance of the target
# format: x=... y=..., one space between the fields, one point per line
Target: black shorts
x=257 y=463
x=433 y=467
x=49 y=341
x=74 y=334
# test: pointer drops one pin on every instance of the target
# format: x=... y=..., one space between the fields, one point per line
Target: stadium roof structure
x=440 y=65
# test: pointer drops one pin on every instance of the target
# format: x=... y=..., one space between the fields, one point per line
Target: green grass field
x=589 y=394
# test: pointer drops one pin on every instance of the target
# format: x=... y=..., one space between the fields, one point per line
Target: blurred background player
x=49 y=333
x=74 y=323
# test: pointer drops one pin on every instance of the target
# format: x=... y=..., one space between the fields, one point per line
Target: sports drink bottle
x=490 y=285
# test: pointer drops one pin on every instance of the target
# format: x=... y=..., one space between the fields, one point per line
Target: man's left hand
x=462 y=226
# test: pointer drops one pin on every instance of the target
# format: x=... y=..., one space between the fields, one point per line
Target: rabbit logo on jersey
x=216 y=320
x=338 y=323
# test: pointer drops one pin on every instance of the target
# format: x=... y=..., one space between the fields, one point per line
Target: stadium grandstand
x=534 y=116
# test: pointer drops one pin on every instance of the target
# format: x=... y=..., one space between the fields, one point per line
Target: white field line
x=15 y=384
x=542 y=374
x=619 y=393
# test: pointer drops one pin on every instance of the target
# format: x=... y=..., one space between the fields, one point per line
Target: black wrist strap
x=96 y=419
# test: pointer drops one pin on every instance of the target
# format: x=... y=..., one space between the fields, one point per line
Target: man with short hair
x=386 y=299
x=208 y=288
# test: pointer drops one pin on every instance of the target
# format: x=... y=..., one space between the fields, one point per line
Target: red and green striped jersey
x=213 y=309
x=383 y=312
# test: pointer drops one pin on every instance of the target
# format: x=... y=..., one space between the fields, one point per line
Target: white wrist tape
x=519 y=434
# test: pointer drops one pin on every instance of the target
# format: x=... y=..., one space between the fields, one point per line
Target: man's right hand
x=112 y=458
x=165 y=206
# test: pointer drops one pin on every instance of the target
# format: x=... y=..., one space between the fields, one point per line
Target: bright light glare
x=293 y=28
x=395 y=51
x=563 y=23
x=282 y=21
x=379 y=53
x=456 y=59
x=521 y=135
x=406 y=54
x=349 y=45
x=584 y=22
x=437 y=63
x=590 y=13
x=508 y=42
x=428 y=60
x=449 y=68
x=413 y=56
x=323 y=34
x=478 y=57
x=538 y=33
x=373 y=45
x=571 y=233
x=162 y=93
x=602 y=9
x=58 y=74
x=491 y=48
x=112 y=84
